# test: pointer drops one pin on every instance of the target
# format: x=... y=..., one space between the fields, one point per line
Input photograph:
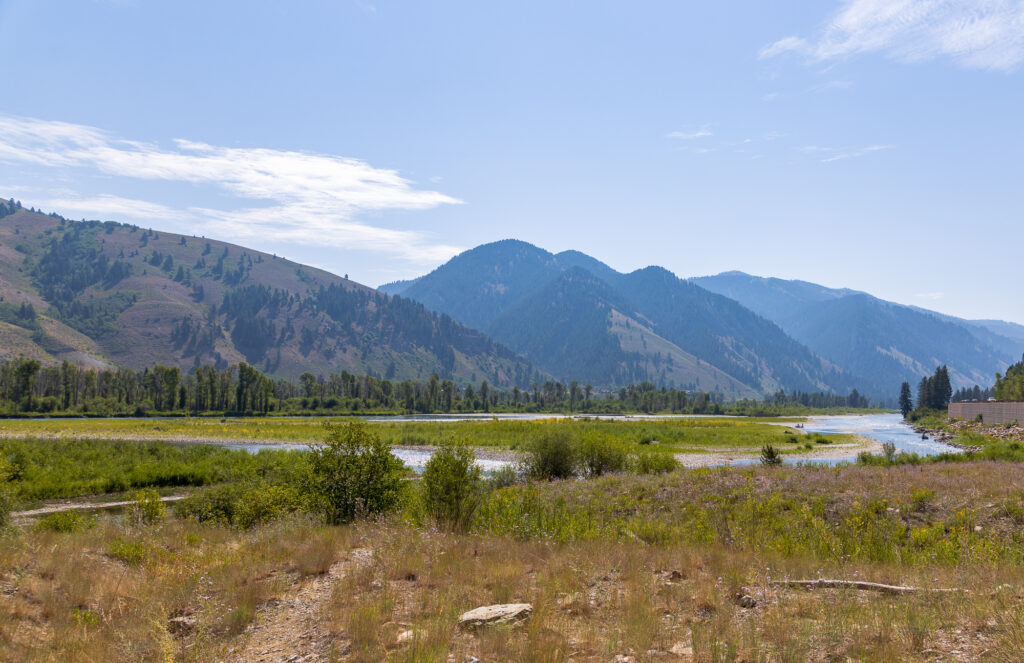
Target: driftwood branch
x=858 y=585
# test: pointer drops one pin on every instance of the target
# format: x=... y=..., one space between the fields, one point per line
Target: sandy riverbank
x=821 y=453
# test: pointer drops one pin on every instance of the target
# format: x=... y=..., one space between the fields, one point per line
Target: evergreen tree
x=906 y=401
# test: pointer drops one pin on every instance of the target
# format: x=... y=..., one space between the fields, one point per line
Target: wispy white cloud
x=690 y=135
x=112 y=207
x=830 y=154
x=983 y=34
x=286 y=195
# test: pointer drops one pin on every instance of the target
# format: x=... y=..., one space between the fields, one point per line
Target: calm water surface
x=882 y=427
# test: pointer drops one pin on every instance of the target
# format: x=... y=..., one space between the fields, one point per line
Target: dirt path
x=83 y=506
x=291 y=629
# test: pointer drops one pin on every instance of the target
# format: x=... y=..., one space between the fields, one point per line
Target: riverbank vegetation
x=27 y=388
x=679 y=434
x=1010 y=387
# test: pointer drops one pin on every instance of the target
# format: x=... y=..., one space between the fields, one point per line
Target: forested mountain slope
x=884 y=342
x=580 y=319
x=106 y=293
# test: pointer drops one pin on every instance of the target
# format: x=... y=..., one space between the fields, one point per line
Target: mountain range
x=110 y=294
x=881 y=342
x=107 y=294
x=575 y=316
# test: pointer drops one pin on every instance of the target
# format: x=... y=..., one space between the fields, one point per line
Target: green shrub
x=550 y=456
x=214 y=505
x=921 y=499
x=596 y=457
x=889 y=451
x=65 y=522
x=6 y=490
x=262 y=504
x=503 y=477
x=451 y=487
x=244 y=506
x=353 y=473
x=653 y=462
x=131 y=553
x=147 y=509
x=770 y=457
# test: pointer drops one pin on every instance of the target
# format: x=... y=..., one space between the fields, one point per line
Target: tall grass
x=46 y=469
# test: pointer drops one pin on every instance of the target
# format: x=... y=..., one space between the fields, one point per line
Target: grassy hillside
x=107 y=293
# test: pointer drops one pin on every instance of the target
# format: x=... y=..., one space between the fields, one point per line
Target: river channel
x=882 y=427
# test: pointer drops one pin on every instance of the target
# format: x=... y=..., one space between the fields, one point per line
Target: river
x=882 y=427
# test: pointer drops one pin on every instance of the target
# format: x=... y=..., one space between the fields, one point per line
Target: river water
x=882 y=427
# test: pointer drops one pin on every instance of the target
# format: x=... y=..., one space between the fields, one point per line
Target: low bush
x=889 y=451
x=243 y=506
x=451 y=487
x=770 y=457
x=503 y=477
x=65 y=522
x=550 y=456
x=653 y=462
x=214 y=505
x=353 y=474
x=147 y=509
x=596 y=457
x=132 y=553
x=262 y=503
x=6 y=490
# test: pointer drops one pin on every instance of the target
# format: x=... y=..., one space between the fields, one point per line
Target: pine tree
x=943 y=390
x=906 y=401
x=924 y=397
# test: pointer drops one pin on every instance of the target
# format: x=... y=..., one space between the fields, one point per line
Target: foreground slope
x=113 y=294
x=580 y=319
x=886 y=343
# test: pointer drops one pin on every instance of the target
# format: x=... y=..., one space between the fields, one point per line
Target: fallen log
x=859 y=585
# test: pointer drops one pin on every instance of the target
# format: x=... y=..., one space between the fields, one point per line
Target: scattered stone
x=405 y=638
x=507 y=614
x=681 y=649
x=746 y=601
x=181 y=625
x=676 y=574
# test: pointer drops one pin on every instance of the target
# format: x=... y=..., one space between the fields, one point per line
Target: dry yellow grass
x=65 y=597
x=390 y=591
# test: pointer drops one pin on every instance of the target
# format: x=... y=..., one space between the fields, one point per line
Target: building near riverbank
x=991 y=412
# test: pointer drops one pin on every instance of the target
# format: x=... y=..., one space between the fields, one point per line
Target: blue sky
x=865 y=144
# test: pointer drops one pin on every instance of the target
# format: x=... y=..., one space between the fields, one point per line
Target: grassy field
x=52 y=469
x=682 y=434
x=113 y=456
x=642 y=568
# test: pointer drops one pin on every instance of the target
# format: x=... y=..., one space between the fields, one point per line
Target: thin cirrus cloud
x=301 y=197
x=689 y=135
x=977 y=34
x=830 y=154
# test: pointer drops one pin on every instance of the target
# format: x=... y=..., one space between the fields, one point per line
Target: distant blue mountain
x=883 y=342
x=582 y=320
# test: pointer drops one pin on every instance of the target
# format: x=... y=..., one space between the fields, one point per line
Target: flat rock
x=505 y=614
